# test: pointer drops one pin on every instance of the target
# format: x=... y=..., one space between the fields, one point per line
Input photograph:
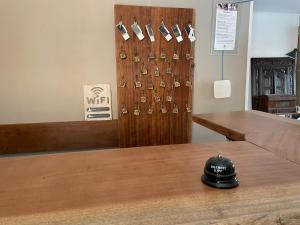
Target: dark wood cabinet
x=273 y=85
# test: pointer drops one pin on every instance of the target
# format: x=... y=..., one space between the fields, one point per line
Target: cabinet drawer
x=281 y=104
x=281 y=110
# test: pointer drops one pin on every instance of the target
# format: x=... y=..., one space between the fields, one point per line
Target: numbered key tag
x=163 y=109
x=190 y=31
x=150 y=110
x=136 y=112
x=189 y=84
x=177 y=33
x=169 y=69
x=164 y=31
x=143 y=99
x=137 y=30
x=136 y=59
x=123 y=55
x=123 y=83
x=175 y=55
x=150 y=85
x=188 y=108
x=151 y=55
x=150 y=32
x=188 y=56
x=144 y=70
x=124 y=111
x=122 y=29
x=156 y=97
x=176 y=83
x=163 y=54
x=169 y=98
x=175 y=109
x=162 y=84
x=156 y=71
x=137 y=83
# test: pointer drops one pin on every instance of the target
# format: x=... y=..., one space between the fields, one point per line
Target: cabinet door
x=280 y=82
x=267 y=82
x=290 y=81
x=284 y=81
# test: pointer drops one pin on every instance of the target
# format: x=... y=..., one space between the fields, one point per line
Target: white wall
x=51 y=48
x=274 y=34
x=287 y=6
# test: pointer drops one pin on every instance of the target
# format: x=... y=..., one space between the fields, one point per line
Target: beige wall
x=51 y=48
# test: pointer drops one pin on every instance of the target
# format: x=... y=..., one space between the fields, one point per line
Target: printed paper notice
x=226 y=24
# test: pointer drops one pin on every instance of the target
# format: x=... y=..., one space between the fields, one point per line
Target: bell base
x=221 y=184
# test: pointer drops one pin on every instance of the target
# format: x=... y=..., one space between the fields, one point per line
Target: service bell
x=219 y=172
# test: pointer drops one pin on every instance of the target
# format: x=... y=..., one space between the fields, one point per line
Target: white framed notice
x=97 y=102
x=226 y=27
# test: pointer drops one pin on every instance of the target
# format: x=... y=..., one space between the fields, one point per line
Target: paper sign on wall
x=97 y=102
x=226 y=24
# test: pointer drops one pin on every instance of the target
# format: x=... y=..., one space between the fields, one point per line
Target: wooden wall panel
x=42 y=137
x=158 y=128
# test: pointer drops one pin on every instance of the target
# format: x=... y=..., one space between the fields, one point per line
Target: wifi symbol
x=97 y=90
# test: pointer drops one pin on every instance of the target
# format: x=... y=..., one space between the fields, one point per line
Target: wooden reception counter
x=148 y=185
x=271 y=132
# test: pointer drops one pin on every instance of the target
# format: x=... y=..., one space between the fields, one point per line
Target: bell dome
x=219 y=172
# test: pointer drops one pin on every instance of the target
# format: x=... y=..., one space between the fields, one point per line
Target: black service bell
x=219 y=172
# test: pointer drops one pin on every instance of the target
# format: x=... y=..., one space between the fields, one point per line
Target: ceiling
x=285 y=6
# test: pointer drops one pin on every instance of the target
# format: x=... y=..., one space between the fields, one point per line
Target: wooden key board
x=155 y=79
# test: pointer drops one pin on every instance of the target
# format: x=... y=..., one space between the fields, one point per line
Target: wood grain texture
x=148 y=185
x=42 y=137
x=158 y=128
x=273 y=133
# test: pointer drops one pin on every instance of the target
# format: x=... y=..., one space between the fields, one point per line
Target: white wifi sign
x=97 y=102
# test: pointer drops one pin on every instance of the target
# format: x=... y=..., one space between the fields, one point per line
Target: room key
x=163 y=109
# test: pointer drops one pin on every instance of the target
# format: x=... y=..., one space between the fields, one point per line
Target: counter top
x=268 y=131
x=148 y=185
